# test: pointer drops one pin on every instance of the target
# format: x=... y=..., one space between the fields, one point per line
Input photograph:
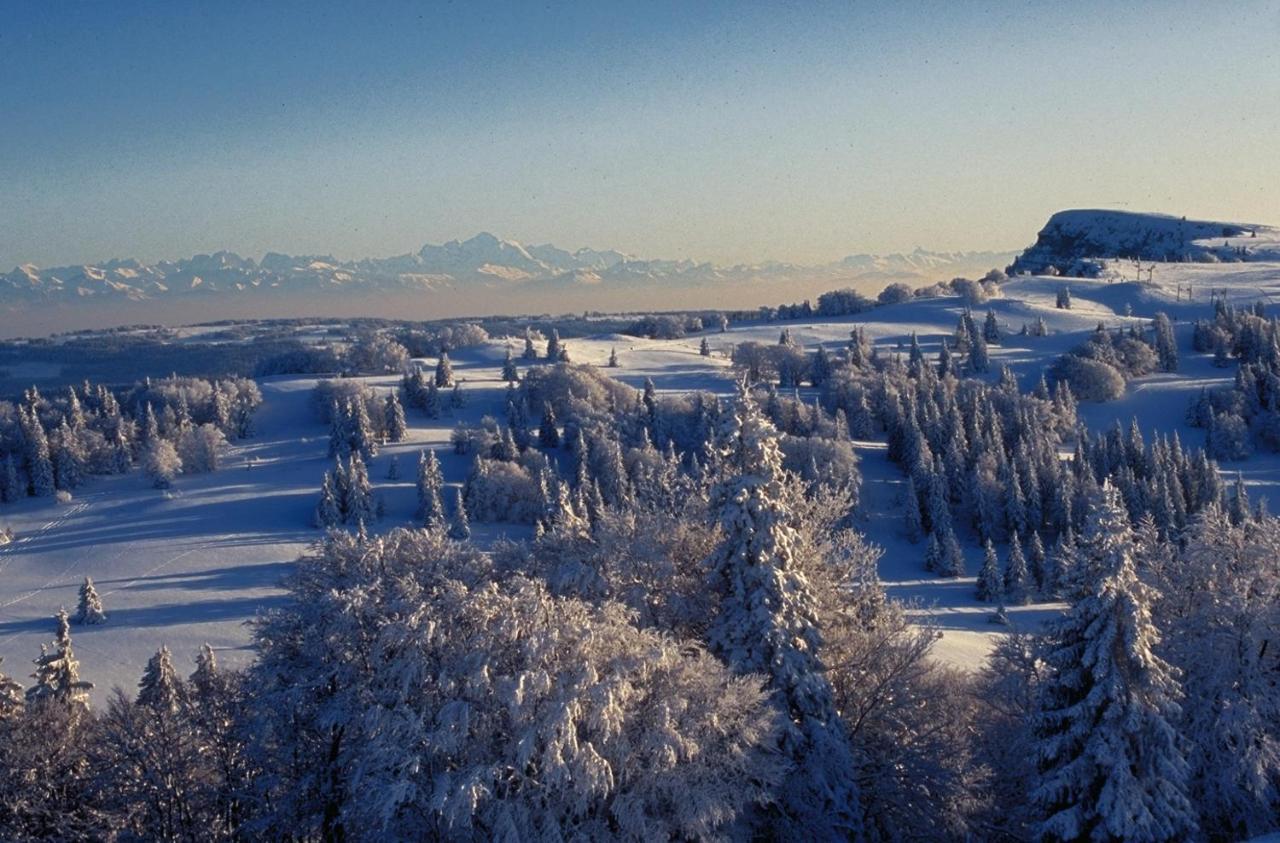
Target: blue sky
x=727 y=132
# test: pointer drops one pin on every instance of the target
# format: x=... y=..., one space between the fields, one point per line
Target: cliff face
x=1073 y=241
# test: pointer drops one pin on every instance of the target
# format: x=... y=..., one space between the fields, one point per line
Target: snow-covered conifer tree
x=329 y=509
x=393 y=417
x=530 y=353
x=990 y=581
x=160 y=689
x=1017 y=578
x=553 y=346
x=704 y=348
x=57 y=674
x=360 y=503
x=991 y=328
x=11 y=697
x=548 y=433
x=1111 y=767
x=766 y=624
x=430 y=488
x=912 y=520
x=460 y=524
x=444 y=371
x=90 y=610
x=510 y=373
x=613 y=358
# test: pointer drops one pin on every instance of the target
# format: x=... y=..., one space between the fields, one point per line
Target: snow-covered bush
x=200 y=449
x=575 y=391
x=376 y=354
x=161 y=463
x=895 y=294
x=503 y=491
x=843 y=303
x=1090 y=380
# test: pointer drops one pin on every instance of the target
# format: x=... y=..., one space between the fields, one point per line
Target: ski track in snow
x=193 y=565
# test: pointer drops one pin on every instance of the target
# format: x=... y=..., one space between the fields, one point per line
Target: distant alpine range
x=483 y=261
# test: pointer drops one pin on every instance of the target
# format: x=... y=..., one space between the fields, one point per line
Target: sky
x=729 y=132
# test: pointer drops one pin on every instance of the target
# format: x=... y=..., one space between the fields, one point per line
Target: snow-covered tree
x=1111 y=767
x=548 y=433
x=430 y=485
x=90 y=610
x=57 y=674
x=1064 y=298
x=329 y=509
x=161 y=463
x=393 y=418
x=160 y=688
x=553 y=346
x=1017 y=577
x=613 y=358
x=766 y=624
x=510 y=373
x=444 y=371
x=990 y=581
x=459 y=524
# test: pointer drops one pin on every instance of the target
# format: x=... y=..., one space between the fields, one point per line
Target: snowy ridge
x=1073 y=241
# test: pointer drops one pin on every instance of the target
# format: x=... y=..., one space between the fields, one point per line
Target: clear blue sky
x=728 y=132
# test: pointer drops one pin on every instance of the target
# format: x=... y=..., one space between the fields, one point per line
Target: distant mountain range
x=483 y=262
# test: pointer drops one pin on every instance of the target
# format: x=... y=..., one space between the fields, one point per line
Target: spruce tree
x=548 y=433
x=444 y=370
x=90 y=610
x=613 y=357
x=11 y=698
x=160 y=689
x=1109 y=757
x=430 y=488
x=57 y=674
x=990 y=582
x=393 y=418
x=1017 y=579
x=553 y=346
x=510 y=373
x=912 y=520
x=329 y=509
x=766 y=623
x=460 y=525
x=530 y=353
x=704 y=348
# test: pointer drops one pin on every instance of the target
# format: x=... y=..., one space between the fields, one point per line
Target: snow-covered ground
x=193 y=564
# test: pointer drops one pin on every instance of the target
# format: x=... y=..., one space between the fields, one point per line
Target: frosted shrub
x=1090 y=380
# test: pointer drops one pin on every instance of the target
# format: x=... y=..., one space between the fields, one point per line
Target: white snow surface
x=194 y=563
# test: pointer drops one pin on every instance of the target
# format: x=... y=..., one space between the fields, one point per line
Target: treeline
x=50 y=444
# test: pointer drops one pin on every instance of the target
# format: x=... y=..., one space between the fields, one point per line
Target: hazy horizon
x=723 y=133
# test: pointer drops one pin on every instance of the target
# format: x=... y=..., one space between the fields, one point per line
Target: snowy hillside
x=1073 y=241
x=194 y=564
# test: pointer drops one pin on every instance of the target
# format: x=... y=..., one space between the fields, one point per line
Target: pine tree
x=913 y=521
x=10 y=486
x=39 y=465
x=510 y=373
x=1064 y=298
x=90 y=610
x=704 y=348
x=360 y=503
x=553 y=346
x=933 y=554
x=990 y=582
x=460 y=525
x=991 y=328
x=1038 y=562
x=613 y=358
x=1109 y=759
x=11 y=698
x=444 y=371
x=57 y=675
x=548 y=434
x=393 y=467
x=329 y=509
x=1017 y=579
x=160 y=688
x=766 y=624
x=952 y=556
x=393 y=418
x=530 y=353
x=430 y=487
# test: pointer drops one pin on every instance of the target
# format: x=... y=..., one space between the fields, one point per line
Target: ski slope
x=197 y=562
